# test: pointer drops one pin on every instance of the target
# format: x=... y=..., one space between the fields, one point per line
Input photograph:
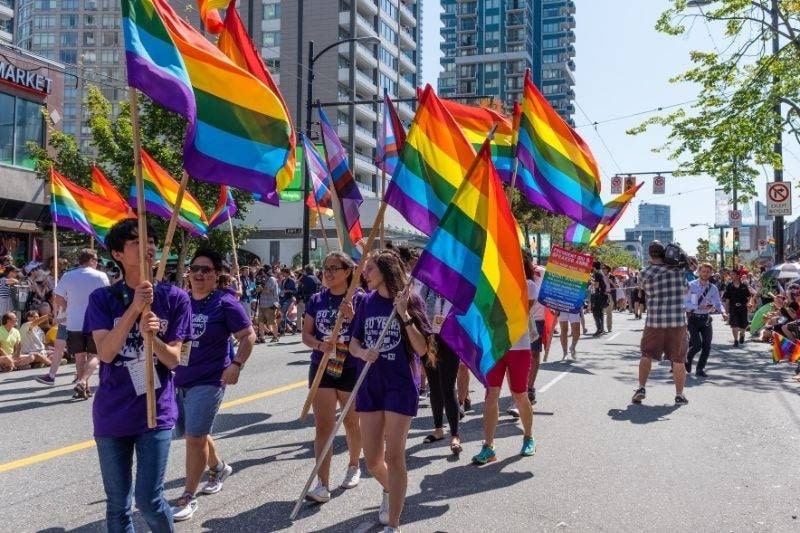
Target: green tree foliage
x=112 y=138
x=729 y=131
x=702 y=251
x=614 y=255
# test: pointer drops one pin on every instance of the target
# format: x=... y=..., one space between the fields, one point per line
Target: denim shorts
x=61 y=334
x=197 y=408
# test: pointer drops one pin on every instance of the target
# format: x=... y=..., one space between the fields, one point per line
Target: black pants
x=700 y=332
x=442 y=385
x=598 y=313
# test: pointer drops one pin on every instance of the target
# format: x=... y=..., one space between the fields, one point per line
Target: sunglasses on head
x=200 y=268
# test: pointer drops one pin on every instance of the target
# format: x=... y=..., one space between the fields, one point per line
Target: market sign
x=25 y=78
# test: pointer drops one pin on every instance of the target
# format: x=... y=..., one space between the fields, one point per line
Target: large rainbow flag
x=81 y=210
x=209 y=14
x=557 y=160
x=390 y=139
x=432 y=165
x=237 y=45
x=474 y=260
x=612 y=212
x=103 y=187
x=225 y=209
x=160 y=194
x=320 y=196
x=344 y=183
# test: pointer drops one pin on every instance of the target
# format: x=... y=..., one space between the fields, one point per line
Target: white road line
x=555 y=380
x=614 y=336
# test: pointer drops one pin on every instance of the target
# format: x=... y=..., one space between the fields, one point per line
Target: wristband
x=407 y=323
x=238 y=364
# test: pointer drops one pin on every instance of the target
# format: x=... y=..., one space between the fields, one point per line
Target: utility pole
x=778 y=147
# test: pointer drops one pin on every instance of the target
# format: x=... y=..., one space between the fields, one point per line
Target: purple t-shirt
x=214 y=319
x=394 y=368
x=323 y=308
x=120 y=408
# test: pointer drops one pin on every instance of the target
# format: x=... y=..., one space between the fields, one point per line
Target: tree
x=614 y=256
x=731 y=128
x=702 y=251
x=112 y=137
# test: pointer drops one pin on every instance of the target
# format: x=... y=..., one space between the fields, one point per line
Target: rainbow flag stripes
x=320 y=195
x=554 y=157
x=578 y=234
x=225 y=209
x=784 y=349
x=391 y=138
x=612 y=212
x=64 y=209
x=160 y=194
x=474 y=260
x=103 y=187
x=434 y=160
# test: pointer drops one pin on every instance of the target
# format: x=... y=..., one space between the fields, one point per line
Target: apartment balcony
x=364 y=163
x=365 y=112
x=364 y=55
x=365 y=137
x=406 y=88
x=6 y=36
x=343 y=131
x=515 y=19
x=407 y=63
x=467 y=10
x=407 y=40
x=364 y=28
x=568 y=24
x=367 y=7
x=405 y=111
x=571 y=7
x=365 y=83
x=471 y=27
x=6 y=11
x=407 y=17
x=516 y=5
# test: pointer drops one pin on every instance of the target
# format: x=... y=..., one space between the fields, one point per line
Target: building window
x=492 y=19
x=271 y=38
x=71 y=5
x=69 y=21
x=272 y=12
x=43 y=40
x=551 y=27
x=21 y=122
x=491 y=4
x=44 y=5
x=68 y=55
x=549 y=58
x=44 y=21
x=551 y=73
x=550 y=43
x=69 y=38
x=491 y=67
x=110 y=38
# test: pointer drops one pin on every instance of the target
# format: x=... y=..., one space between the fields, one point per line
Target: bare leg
x=324 y=405
x=563 y=333
x=58 y=353
x=351 y=430
x=397 y=427
x=491 y=413
x=525 y=412
x=534 y=369
x=462 y=383
x=196 y=460
x=679 y=374
x=645 y=363
x=372 y=438
x=576 y=334
x=213 y=458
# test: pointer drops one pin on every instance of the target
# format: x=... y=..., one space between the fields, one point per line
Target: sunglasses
x=200 y=268
x=333 y=269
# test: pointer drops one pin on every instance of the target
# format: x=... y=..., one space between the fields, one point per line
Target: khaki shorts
x=667 y=343
x=266 y=315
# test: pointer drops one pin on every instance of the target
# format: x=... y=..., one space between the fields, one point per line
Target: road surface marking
x=85 y=445
x=552 y=382
x=614 y=336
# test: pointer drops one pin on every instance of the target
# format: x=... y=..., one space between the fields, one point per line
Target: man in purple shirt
x=116 y=319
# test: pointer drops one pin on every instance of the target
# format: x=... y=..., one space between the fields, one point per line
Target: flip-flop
x=431 y=438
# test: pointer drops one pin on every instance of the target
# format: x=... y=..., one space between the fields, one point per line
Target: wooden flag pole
x=340 y=318
x=173 y=223
x=324 y=231
x=55 y=235
x=342 y=415
x=233 y=246
x=145 y=271
x=383 y=194
x=91 y=242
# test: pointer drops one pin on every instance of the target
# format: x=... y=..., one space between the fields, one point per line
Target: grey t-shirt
x=269 y=294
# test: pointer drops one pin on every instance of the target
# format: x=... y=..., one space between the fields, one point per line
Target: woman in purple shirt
x=116 y=319
x=389 y=395
x=340 y=374
x=205 y=371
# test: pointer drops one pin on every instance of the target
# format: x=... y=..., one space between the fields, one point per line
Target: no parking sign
x=659 y=184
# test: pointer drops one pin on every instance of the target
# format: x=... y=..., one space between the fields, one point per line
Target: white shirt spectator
x=32 y=339
x=75 y=287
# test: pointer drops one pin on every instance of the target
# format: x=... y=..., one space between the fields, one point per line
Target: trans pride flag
x=390 y=139
x=225 y=209
x=320 y=195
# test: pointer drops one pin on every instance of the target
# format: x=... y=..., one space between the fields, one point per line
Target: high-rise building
x=7 y=21
x=653 y=225
x=488 y=45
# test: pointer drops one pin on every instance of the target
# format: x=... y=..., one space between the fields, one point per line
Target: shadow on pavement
x=643 y=414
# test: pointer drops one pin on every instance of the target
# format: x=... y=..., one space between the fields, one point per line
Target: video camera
x=674 y=256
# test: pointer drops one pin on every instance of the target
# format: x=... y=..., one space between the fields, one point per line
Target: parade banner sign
x=566 y=280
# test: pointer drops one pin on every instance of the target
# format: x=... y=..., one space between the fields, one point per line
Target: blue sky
x=623 y=68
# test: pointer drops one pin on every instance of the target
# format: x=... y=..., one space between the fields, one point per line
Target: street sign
x=779 y=198
x=659 y=184
x=616 y=185
x=630 y=182
x=762 y=245
x=735 y=218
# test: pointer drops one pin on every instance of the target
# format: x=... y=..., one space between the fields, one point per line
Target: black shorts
x=79 y=342
x=738 y=317
x=345 y=383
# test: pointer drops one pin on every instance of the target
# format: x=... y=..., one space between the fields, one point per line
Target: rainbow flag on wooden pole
x=612 y=212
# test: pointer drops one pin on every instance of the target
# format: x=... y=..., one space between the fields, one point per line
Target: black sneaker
x=741 y=339
x=638 y=395
x=701 y=374
x=467 y=404
x=736 y=343
x=680 y=399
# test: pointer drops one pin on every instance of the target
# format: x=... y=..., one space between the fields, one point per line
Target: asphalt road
x=725 y=462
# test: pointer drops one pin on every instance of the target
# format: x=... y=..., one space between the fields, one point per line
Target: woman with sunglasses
x=203 y=373
x=321 y=312
x=389 y=395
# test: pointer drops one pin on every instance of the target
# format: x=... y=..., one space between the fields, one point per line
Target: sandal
x=431 y=438
x=455 y=447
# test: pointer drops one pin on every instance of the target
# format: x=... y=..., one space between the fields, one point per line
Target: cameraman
x=701 y=300
x=664 y=283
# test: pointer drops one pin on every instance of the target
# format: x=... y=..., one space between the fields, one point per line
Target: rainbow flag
x=64 y=210
x=209 y=15
x=96 y=214
x=320 y=196
x=160 y=193
x=577 y=234
x=154 y=64
x=784 y=349
x=344 y=184
x=241 y=134
x=225 y=209
x=237 y=45
x=612 y=212
x=474 y=260
x=390 y=139
x=432 y=165
x=101 y=186
x=554 y=157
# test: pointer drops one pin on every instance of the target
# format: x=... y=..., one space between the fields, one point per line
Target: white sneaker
x=185 y=508
x=351 y=477
x=216 y=478
x=383 y=513
x=319 y=494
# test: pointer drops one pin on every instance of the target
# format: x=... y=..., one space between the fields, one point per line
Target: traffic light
x=736 y=239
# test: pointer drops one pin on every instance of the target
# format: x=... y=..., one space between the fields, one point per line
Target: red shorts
x=518 y=363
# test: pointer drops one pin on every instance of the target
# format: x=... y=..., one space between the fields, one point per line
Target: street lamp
x=312 y=58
